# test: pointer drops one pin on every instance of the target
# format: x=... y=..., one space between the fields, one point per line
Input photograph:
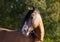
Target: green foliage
x=48 y=40
x=12 y=14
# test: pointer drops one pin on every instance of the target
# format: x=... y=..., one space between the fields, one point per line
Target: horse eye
x=31 y=17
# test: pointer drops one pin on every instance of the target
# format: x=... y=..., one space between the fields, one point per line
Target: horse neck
x=38 y=31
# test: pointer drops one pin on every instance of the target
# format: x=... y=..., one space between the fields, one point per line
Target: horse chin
x=27 y=33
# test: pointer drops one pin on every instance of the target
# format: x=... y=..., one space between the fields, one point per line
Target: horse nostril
x=25 y=31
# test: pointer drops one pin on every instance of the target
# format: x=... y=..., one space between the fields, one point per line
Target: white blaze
x=24 y=28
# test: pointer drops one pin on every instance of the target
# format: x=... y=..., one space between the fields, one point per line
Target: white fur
x=28 y=33
x=24 y=28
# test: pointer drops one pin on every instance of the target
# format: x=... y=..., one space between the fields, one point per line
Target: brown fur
x=38 y=26
x=14 y=36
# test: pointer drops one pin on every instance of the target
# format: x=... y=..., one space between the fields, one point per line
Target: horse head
x=33 y=21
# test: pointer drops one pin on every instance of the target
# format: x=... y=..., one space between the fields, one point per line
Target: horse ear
x=31 y=8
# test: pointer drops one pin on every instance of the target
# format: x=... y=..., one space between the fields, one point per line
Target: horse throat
x=36 y=34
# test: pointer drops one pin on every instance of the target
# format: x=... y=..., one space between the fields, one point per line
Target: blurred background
x=12 y=13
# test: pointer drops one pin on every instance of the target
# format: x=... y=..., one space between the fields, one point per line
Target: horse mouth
x=27 y=32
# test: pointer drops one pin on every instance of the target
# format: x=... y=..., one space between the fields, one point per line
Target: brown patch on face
x=35 y=19
x=34 y=13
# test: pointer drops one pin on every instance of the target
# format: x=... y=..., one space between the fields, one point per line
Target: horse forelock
x=28 y=15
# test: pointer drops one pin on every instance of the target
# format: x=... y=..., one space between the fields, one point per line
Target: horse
x=32 y=29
